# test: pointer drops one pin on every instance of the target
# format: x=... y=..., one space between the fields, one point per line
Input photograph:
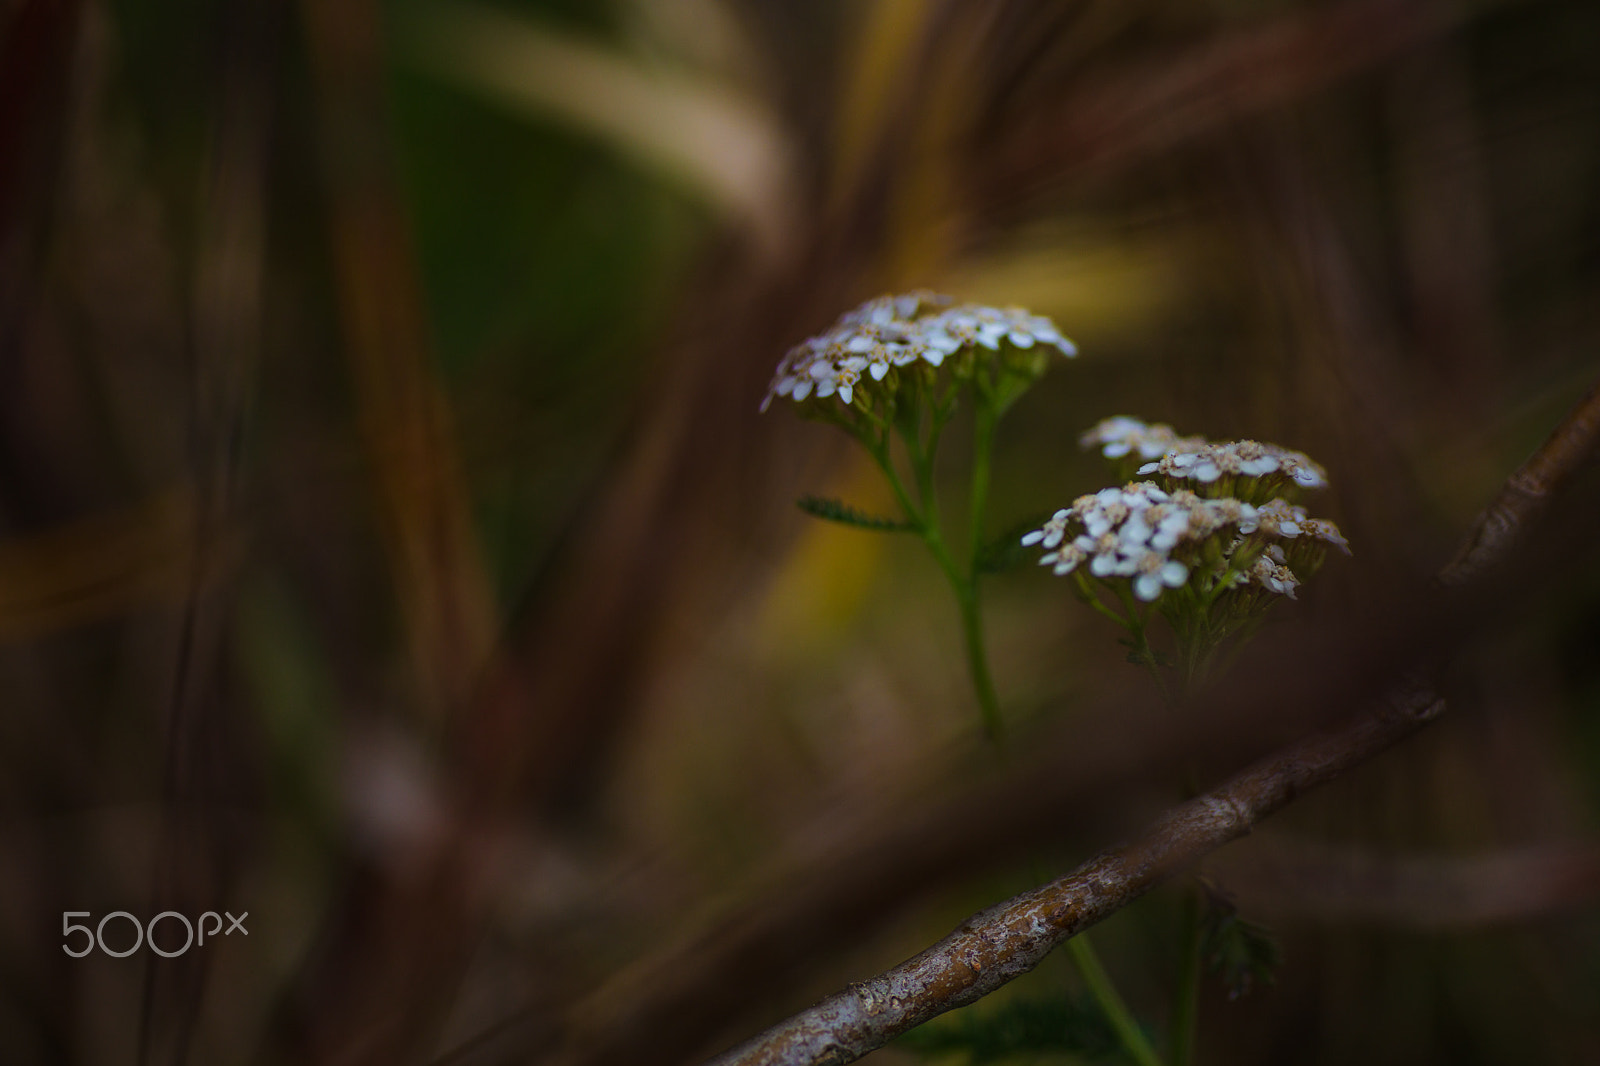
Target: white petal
x=878 y=370
x=802 y=389
x=1146 y=587
x=1033 y=538
x=1174 y=574
x=845 y=393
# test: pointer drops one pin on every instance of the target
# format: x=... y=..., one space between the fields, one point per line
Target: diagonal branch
x=1002 y=943
x=1525 y=492
x=1006 y=941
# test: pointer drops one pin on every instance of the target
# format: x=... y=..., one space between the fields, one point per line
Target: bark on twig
x=1524 y=492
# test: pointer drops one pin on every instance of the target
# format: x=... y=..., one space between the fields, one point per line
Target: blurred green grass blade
x=724 y=147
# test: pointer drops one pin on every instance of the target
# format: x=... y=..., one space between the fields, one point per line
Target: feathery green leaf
x=844 y=514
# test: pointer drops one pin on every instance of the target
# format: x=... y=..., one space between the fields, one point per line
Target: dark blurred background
x=390 y=546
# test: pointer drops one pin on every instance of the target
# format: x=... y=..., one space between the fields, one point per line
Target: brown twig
x=1004 y=942
x=995 y=946
x=1525 y=492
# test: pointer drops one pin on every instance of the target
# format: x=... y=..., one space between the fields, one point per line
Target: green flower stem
x=1137 y=622
x=1186 y=1008
x=880 y=452
x=983 y=445
x=971 y=621
x=962 y=582
x=1134 y=1042
x=978 y=662
x=1086 y=593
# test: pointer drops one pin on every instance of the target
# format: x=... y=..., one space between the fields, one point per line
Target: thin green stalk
x=971 y=620
x=978 y=663
x=1133 y=1040
x=1086 y=593
x=912 y=512
x=982 y=447
x=962 y=584
x=1186 y=1008
x=966 y=592
x=922 y=468
x=1137 y=623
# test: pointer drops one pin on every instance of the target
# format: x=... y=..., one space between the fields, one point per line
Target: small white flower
x=1067 y=557
x=1235 y=512
x=1156 y=570
x=847 y=374
x=1274 y=577
x=1280 y=519
x=1052 y=532
x=1325 y=531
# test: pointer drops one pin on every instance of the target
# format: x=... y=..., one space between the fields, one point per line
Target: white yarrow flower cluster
x=1154 y=533
x=892 y=332
x=1132 y=532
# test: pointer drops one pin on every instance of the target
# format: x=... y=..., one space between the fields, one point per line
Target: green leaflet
x=844 y=514
x=1242 y=953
